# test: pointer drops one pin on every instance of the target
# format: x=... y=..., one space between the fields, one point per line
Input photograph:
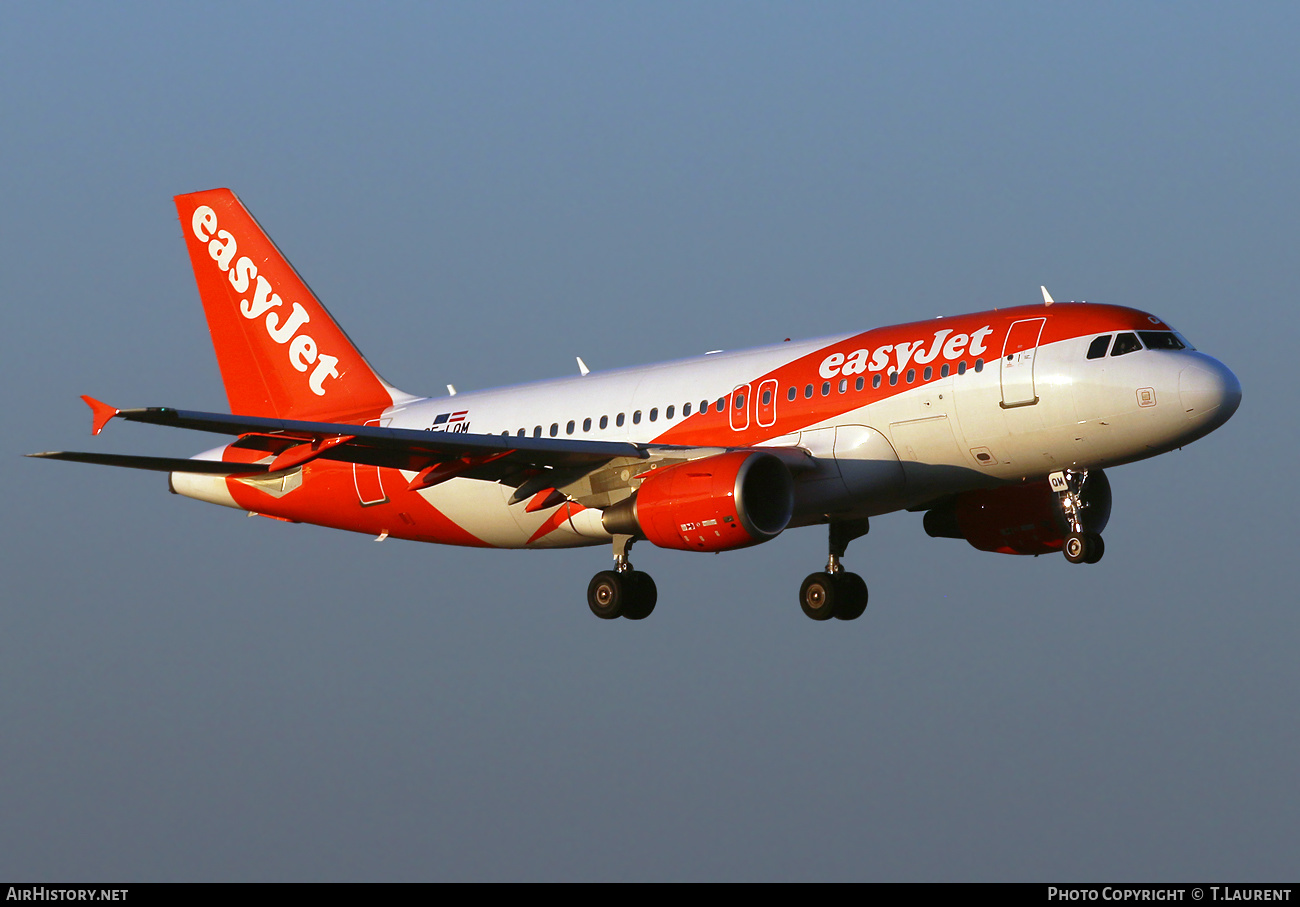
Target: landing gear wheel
x=607 y=595
x=819 y=596
x=853 y=600
x=642 y=595
x=1096 y=548
x=1084 y=547
x=1076 y=547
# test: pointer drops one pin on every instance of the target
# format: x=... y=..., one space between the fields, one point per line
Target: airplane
x=997 y=425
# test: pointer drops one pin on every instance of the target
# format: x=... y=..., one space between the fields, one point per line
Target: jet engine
x=716 y=503
x=1019 y=519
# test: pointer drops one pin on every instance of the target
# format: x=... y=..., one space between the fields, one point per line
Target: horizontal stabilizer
x=158 y=464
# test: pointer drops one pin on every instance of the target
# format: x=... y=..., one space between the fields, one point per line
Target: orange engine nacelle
x=715 y=503
x=1018 y=519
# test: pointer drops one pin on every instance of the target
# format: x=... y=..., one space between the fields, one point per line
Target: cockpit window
x=1125 y=343
x=1161 y=340
x=1098 y=348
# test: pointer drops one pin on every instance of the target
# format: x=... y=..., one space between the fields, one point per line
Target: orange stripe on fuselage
x=1063 y=321
x=556 y=520
x=328 y=497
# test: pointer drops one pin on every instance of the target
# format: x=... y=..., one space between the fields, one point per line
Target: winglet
x=102 y=412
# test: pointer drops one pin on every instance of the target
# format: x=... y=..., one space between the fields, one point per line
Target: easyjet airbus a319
x=996 y=425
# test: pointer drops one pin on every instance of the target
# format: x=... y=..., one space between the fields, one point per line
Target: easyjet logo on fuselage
x=952 y=347
x=302 y=350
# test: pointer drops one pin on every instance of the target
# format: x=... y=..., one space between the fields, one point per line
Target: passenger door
x=1018 y=354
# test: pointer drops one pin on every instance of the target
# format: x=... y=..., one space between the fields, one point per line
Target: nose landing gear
x=1081 y=546
x=836 y=592
x=1084 y=547
x=622 y=592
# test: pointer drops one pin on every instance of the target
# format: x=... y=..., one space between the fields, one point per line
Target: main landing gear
x=622 y=592
x=836 y=592
x=1081 y=547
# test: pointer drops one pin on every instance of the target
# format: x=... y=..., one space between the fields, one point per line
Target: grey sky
x=481 y=192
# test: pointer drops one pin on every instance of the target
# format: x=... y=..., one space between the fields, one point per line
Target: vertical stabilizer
x=280 y=353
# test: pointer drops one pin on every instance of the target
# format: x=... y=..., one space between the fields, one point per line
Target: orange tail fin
x=281 y=354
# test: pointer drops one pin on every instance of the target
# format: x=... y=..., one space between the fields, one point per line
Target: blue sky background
x=481 y=192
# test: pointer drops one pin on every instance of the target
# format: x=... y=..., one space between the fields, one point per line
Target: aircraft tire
x=607 y=595
x=643 y=595
x=853 y=602
x=1076 y=548
x=1096 y=548
x=819 y=596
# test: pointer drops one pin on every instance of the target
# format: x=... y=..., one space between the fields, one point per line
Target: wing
x=591 y=472
x=272 y=445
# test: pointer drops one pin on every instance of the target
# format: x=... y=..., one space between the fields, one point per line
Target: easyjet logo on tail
x=301 y=348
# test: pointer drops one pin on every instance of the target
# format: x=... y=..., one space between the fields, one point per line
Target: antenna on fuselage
x=1047 y=297
x=582 y=366
x=451 y=390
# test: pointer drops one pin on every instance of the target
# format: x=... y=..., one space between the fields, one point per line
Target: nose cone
x=1209 y=392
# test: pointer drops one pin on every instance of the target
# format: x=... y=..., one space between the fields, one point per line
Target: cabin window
x=654 y=414
x=537 y=431
x=1161 y=340
x=808 y=392
x=604 y=422
x=1097 y=349
x=844 y=385
x=791 y=393
x=721 y=404
x=1125 y=343
x=911 y=375
x=826 y=388
x=520 y=432
x=586 y=424
x=928 y=373
x=943 y=370
x=767 y=398
x=961 y=367
x=555 y=429
x=668 y=414
x=893 y=378
x=618 y=420
x=704 y=406
x=979 y=365
x=740 y=401
x=875 y=382
x=686 y=410
x=568 y=429
x=860 y=384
